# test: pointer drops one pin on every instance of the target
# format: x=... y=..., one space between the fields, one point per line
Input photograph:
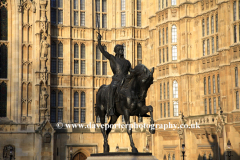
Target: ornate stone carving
x=27 y=4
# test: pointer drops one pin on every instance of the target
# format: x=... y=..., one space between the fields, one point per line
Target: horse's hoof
x=106 y=148
x=134 y=150
x=152 y=130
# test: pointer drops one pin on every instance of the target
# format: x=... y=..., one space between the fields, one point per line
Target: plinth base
x=122 y=156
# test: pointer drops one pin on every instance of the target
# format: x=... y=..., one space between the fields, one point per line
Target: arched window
x=175 y=108
x=76 y=50
x=174 y=34
x=4 y=23
x=174 y=53
x=53 y=107
x=3 y=99
x=124 y=50
x=203 y=28
x=174 y=2
x=76 y=99
x=83 y=107
x=3 y=61
x=236 y=77
x=139 y=54
x=173 y=157
x=83 y=59
x=237 y=100
x=175 y=89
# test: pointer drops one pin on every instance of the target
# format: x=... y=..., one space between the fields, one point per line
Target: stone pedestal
x=122 y=156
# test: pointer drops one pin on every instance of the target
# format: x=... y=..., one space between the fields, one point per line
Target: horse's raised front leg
x=129 y=131
x=152 y=127
x=105 y=145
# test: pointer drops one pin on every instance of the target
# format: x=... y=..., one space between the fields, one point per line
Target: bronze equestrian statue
x=126 y=94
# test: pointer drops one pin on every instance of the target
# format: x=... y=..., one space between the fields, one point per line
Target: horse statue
x=130 y=102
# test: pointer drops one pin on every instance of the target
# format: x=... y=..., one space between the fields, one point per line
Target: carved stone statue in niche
x=44 y=46
x=43 y=96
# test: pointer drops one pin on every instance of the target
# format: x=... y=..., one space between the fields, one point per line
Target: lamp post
x=183 y=151
x=71 y=150
x=229 y=151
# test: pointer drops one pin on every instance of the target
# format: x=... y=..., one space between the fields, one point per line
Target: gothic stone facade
x=51 y=70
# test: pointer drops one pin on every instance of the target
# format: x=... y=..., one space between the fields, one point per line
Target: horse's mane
x=136 y=71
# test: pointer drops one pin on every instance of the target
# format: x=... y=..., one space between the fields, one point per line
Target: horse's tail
x=98 y=101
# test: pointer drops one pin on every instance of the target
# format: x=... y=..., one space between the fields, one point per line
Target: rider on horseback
x=120 y=67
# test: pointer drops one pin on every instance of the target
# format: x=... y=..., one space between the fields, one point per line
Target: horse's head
x=144 y=79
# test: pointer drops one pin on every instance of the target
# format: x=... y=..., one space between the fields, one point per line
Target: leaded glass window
x=163 y=56
x=203 y=47
x=168 y=90
x=234 y=11
x=123 y=19
x=209 y=85
x=208 y=47
x=160 y=37
x=122 y=5
x=161 y=110
x=165 y=114
x=216 y=22
x=60 y=16
x=175 y=108
x=214 y=105
x=98 y=5
x=53 y=66
x=60 y=114
x=237 y=100
x=167 y=54
x=3 y=61
x=235 y=33
x=3 y=23
x=212 y=25
x=104 y=68
x=3 y=99
x=60 y=99
x=160 y=91
x=82 y=4
x=174 y=53
x=217 y=43
x=175 y=89
x=218 y=83
x=139 y=19
x=205 y=105
x=76 y=51
x=60 y=50
x=75 y=18
x=174 y=2
x=76 y=99
x=76 y=115
x=210 y=106
x=167 y=35
x=203 y=28
x=82 y=16
x=236 y=77
x=104 y=21
x=83 y=105
x=160 y=56
x=139 y=54
x=76 y=67
x=205 y=86
x=207 y=25
x=214 y=87
x=168 y=109
x=60 y=66
x=213 y=45
x=164 y=93
x=174 y=34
